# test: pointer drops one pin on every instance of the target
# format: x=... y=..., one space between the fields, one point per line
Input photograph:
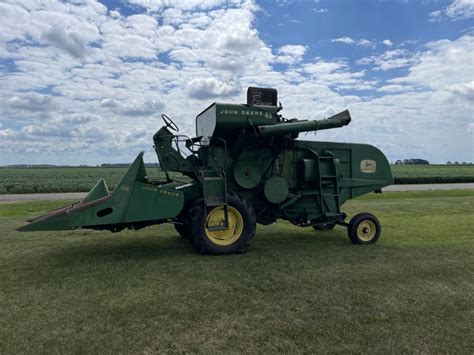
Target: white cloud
x=336 y=74
x=345 y=40
x=464 y=90
x=187 y=5
x=290 y=54
x=209 y=88
x=460 y=9
x=320 y=10
x=457 y=10
x=322 y=67
x=31 y=101
x=392 y=59
x=444 y=63
x=13 y=17
x=131 y=47
x=365 y=43
x=62 y=127
x=394 y=88
x=114 y=14
x=72 y=43
x=98 y=101
x=6 y=133
x=470 y=127
x=387 y=42
x=146 y=107
x=348 y=40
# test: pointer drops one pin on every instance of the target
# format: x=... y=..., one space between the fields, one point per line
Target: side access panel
x=361 y=168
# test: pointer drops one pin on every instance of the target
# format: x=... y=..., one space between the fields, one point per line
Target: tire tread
x=197 y=218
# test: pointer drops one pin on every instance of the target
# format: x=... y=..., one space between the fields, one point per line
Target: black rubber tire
x=182 y=229
x=354 y=224
x=197 y=224
x=325 y=227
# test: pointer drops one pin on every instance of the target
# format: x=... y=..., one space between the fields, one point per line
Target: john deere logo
x=368 y=166
x=246 y=113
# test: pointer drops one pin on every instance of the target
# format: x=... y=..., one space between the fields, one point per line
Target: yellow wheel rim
x=216 y=217
x=366 y=230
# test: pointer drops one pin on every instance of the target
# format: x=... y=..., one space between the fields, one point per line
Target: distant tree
x=449 y=162
x=412 y=161
x=456 y=163
x=398 y=162
x=419 y=161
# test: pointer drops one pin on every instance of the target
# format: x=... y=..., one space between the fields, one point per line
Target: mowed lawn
x=296 y=290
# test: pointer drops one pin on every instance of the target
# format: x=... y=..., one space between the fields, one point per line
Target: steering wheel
x=169 y=123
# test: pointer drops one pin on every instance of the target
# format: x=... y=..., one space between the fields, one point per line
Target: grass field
x=32 y=180
x=294 y=291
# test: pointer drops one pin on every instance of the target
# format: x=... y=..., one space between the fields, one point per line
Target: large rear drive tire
x=364 y=228
x=235 y=239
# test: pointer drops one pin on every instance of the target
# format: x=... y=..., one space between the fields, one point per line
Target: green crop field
x=426 y=174
x=296 y=290
x=40 y=180
x=32 y=180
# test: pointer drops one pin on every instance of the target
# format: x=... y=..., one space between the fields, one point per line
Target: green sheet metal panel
x=355 y=178
x=276 y=190
x=251 y=165
x=150 y=202
x=225 y=120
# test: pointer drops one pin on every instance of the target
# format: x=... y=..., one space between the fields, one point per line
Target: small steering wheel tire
x=364 y=228
x=169 y=123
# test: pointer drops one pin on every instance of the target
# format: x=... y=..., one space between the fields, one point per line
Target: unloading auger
x=245 y=166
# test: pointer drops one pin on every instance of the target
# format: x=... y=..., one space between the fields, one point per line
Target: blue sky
x=85 y=82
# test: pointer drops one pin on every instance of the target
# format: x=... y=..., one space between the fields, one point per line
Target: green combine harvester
x=245 y=166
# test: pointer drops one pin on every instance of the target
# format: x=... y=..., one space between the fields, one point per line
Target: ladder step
x=328 y=176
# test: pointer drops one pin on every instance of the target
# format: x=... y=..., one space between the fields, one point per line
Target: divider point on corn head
x=246 y=167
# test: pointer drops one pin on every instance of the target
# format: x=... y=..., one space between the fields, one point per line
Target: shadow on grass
x=117 y=248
